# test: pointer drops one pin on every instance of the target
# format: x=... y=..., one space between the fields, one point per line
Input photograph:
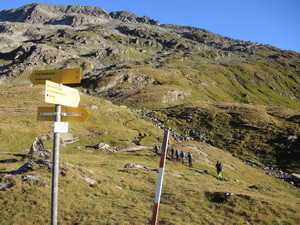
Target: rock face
x=31 y=165
x=37 y=148
x=72 y=15
x=129 y=17
x=37 y=145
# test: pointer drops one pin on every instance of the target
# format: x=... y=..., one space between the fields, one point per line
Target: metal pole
x=55 y=168
x=160 y=177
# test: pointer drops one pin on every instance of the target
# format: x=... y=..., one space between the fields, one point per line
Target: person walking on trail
x=172 y=154
x=177 y=155
x=182 y=155
x=219 y=167
x=190 y=158
x=156 y=148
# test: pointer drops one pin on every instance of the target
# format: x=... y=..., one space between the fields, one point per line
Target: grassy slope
x=253 y=132
x=108 y=123
x=125 y=196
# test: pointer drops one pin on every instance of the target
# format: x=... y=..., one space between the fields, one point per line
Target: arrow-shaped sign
x=61 y=94
x=68 y=114
x=62 y=76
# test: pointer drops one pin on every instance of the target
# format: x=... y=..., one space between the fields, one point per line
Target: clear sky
x=274 y=22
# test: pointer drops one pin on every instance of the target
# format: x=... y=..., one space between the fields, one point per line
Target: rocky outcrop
x=72 y=15
x=135 y=166
x=33 y=165
x=4 y=186
x=174 y=95
x=126 y=16
x=37 y=148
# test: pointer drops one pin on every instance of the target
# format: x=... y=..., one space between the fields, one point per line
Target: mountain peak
x=38 y=13
x=72 y=15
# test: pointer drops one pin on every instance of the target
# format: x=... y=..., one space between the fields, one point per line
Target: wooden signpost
x=68 y=114
x=59 y=94
x=61 y=76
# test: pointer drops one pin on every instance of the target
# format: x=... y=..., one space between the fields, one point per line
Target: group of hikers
x=176 y=155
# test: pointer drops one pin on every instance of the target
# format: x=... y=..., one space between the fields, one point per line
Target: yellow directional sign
x=61 y=94
x=62 y=76
x=68 y=114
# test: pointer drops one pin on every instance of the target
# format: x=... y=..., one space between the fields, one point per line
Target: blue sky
x=274 y=22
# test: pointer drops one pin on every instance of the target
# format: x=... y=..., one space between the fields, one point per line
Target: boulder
x=34 y=180
x=37 y=148
x=101 y=146
x=29 y=178
x=31 y=166
x=37 y=145
x=295 y=178
x=46 y=154
x=90 y=181
x=134 y=166
x=175 y=175
x=67 y=138
x=3 y=186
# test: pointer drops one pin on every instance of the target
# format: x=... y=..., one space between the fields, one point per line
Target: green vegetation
x=261 y=134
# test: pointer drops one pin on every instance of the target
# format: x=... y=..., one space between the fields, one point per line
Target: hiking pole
x=160 y=177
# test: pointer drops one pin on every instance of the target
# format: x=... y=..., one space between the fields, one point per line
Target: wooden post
x=160 y=177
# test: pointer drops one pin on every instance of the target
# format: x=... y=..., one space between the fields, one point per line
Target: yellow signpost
x=61 y=94
x=68 y=114
x=62 y=76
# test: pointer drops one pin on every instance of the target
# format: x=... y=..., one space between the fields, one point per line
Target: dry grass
x=125 y=196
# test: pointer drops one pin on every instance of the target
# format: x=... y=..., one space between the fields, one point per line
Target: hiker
x=182 y=155
x=190 y=158
x=172 y=154
x=219 y=168
x=177 y=155
x=156 y=148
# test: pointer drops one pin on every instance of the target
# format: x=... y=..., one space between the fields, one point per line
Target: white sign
x=61 y=94
x=61 y=127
